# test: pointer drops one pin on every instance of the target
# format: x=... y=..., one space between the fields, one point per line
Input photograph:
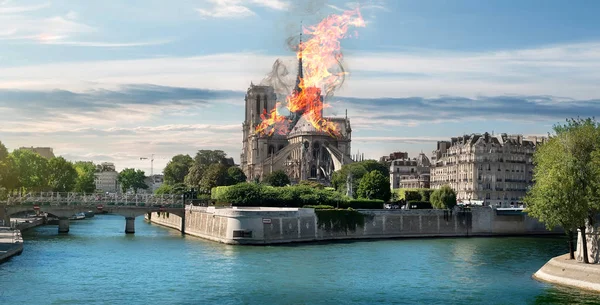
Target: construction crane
x=151 y=158
x=151 y=165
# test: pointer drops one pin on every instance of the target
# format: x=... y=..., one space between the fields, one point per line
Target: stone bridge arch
x=64 y=212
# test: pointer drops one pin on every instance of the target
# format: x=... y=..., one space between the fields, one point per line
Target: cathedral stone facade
x=304 y=153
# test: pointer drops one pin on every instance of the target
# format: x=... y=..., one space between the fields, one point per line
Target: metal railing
x=53 y=198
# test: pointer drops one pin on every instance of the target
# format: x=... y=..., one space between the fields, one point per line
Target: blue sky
x=119 y=80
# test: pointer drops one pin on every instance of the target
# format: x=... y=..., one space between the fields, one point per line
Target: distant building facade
x=154 y=182
x=497 y=170
x=106 y=178
x=393 y=156
x=409 y=173
x=46 y=152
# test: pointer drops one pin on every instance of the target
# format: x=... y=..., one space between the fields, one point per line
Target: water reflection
x=561 y=295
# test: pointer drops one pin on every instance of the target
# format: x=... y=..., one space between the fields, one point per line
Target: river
x=96 y=263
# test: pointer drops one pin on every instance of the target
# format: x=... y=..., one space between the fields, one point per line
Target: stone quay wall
x=561 y=270
x=262 y=225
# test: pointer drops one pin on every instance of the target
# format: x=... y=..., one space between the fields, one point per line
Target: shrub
x=313 y=184
x=277 y=178
x=444 y=198
x=362 y=204
x=250 y=194
x=217 y=193
x=319 y=207
x=415 y=204
x=414 y=194
x=243 y=194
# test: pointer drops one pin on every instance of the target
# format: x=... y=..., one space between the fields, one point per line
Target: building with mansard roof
x=409 y=173
x=497 y=170
x=304 y=153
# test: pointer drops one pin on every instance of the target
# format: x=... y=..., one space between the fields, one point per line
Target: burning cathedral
x=304 y=143
x=304 y=151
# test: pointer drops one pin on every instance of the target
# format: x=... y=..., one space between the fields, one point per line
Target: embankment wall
x=284 y=225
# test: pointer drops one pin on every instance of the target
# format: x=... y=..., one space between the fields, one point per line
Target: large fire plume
x=320 y=72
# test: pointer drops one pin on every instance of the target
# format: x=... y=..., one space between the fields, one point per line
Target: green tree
x=339 y=178
x=86 y=180
x=443 y=198
x=235 y=175
x=373 y=165
x=202 y=160
x=565 y=192
x=63 y=175
x=129 y=178
x=177 y=169
x=374 y=185
x=176 y=189
x=277 y=178
x=3 y=152
x=32 y=170
x=312 y=184
x=215 y=175
x=9 y=178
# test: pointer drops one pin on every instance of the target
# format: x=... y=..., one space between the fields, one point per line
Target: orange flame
x=320 y=55
x=272 y=123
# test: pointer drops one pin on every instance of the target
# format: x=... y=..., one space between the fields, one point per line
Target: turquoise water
x=96 y=263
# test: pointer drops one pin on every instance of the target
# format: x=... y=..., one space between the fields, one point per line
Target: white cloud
x=273 y=4
x=102 y=44
x=17 y=25
x=238 y=8
x=21 y=27
x=4 y=9
x=72 y=15
x=563 y=70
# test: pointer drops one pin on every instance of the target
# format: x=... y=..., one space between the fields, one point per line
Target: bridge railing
x=54 y=198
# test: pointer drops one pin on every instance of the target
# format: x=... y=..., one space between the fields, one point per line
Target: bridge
x=65 y=205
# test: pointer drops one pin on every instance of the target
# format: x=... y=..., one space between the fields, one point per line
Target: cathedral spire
x=300 y=69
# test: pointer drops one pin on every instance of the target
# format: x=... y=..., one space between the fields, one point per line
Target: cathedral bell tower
x=259 y=100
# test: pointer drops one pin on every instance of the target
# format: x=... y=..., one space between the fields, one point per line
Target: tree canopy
x=215 y=175
x=63 y=175
x=374 y=185
x=176 y=189
x=235 y=175
x=202 y=160
x=129 y=178
x=277 y=178
x=177 y=169
x=443 y=198
x=358 y=170
x=566 y=180
x=86 y=180
x=32 y=170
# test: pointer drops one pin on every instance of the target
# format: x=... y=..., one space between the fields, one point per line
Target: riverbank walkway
x=11 y=243
x=563 y=271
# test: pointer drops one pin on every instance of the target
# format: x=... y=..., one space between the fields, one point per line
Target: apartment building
x=106 y=178
x=497 y=170
x=409 y=173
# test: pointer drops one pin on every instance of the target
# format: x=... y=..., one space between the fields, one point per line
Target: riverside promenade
x=11 y=243
x=563 y=271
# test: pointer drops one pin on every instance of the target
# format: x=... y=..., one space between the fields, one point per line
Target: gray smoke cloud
x=302 y=13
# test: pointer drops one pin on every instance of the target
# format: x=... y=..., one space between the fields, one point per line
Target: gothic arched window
x=258 y=113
